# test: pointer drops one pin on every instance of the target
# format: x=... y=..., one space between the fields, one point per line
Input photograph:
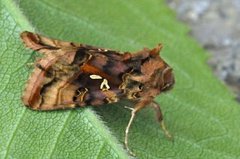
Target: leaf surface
x=200 y=112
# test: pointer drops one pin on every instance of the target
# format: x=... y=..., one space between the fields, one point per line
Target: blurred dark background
x=216 y=25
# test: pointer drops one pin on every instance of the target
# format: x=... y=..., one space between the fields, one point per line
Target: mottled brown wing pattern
x=69 y=75
x=57 y=56
x=62 y=77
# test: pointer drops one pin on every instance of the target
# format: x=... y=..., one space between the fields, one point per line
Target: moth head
x=164 y=74
x=152 y=71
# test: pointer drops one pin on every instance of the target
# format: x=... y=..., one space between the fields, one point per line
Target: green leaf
x=200 y=111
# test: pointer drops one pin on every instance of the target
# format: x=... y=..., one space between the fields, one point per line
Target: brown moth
x=71 y=75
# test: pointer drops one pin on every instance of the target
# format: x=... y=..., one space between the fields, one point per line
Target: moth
x=70 y=75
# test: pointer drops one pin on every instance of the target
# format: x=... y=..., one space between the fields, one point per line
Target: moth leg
x=127 y=130
x=134 y=110
x=159 y=116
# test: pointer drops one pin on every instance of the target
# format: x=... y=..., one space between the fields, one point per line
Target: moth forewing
x=71 y=75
